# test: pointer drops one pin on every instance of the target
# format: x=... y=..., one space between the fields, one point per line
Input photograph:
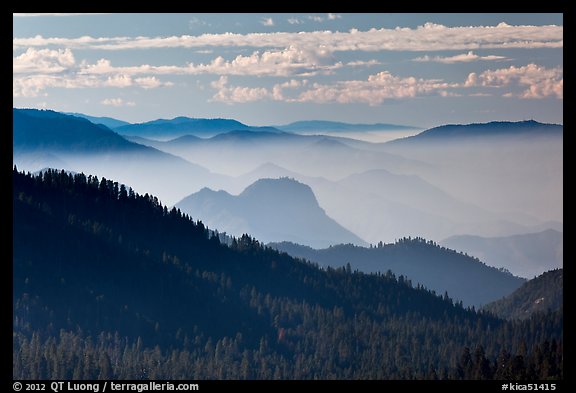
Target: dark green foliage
x=438 y=268
x=111 y=284
x=540 y=294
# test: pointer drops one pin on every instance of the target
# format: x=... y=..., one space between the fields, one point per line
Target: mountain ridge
x=452 y=132
x=101 y=274
x=539 y=295
x=334 y=126
x=166 y=129
x=52 y=139
x=465 y=278
x=271 y=210
x=528 y=254
x=109 y=122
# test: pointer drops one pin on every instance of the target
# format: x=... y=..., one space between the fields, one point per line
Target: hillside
x=271 y=210
x=320 y=126
x=527 y=255
x=109 y=284
x=50 y=139
x=541 y=294
x=498 y=129
x=514 y=168
x=166 y=129
x=106 y=121
x=43 y=129
x=440 y=269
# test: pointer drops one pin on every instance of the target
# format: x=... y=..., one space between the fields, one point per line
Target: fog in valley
x=490 y=180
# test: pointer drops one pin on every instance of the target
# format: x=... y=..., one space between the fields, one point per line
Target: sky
x=421 y=70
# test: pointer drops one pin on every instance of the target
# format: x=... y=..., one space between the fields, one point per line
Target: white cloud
x=197 y=22
x=117 y=102
x=471 y=80
x=288 y=62
x=232 y=94
x=294 y=21
x=383 y=86
x=37 y=70
x=316 y=18
x=332 y=16
x=238 y=94
x=538 y=81
x=149 y=82
x=373 y=91
x=120 y=80
x=267 y=22
x=32 y=86
x=429 y=37
x=44 y=61
x=445 y=93
x=461 y=58
x=363 y=63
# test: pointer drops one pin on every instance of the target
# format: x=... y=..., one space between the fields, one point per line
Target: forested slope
x=111 y=284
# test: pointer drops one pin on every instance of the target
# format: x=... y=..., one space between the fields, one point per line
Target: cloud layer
x=428 y=37
x=307 y=64
x=539 y=82
x=37 y=70
x=461 y=58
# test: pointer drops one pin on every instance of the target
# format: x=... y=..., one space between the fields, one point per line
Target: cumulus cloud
x=37 y=70
x=332 y=16
x=363 y=63
x=294 y=21
x=44 y=61
x=538 y=81
x=33 y=86
x=373 y=91
x=471 y=80
x=239 y=94
x=117 y=102
x=316 y=18
x=288 y=62
x=119 y=81
x=461 y=58
x=232 y=94
x=197 y=22
x=150 y=82
x=267 y=21
x=428 y=37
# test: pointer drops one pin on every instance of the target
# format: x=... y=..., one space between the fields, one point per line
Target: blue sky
x=262 y=69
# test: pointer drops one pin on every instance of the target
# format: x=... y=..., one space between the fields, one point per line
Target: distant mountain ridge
x=45 y=129
x=527 y=255
x=440 y=269
x=541 y=294
x=166 y=129
x=106 y=121
x=43 y=138
x=334 y=126
x=109 y=284
x=271 y=210
x=483 y=130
